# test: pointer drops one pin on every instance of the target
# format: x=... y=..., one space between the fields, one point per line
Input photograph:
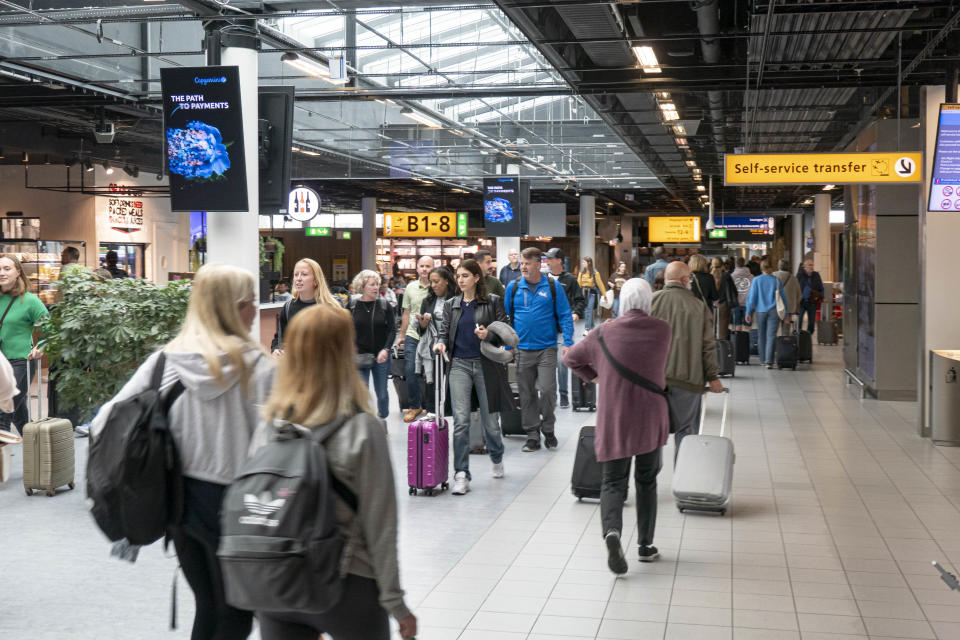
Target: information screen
x=501 y=207
x=675 y=229
x=747 y=229
x=203 y=132
x=425 y=224
x=945 y=179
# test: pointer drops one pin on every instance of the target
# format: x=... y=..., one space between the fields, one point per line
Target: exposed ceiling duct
x=708 y=24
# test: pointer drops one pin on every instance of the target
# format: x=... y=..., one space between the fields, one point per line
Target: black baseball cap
x=555 y=252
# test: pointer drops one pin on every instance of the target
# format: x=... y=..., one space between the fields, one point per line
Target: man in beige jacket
x=692 y=361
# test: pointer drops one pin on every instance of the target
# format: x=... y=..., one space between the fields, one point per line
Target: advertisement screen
x=501 y=207
x=945 y=179
x=203 y=132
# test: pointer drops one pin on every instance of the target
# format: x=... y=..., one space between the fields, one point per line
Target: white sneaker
x=498 y=470
x=460 y=484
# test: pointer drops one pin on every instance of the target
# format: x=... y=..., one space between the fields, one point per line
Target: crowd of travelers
x=239 y=399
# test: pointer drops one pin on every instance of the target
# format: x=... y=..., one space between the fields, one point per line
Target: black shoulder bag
x=5 y=312
x=632 y=376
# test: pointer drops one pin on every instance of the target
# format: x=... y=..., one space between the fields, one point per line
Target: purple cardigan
x=630 y=419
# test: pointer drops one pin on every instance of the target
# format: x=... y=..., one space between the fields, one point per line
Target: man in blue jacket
x=538 y=307
x=811 y=287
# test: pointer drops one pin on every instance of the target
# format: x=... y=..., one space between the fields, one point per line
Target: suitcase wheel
x=413 y=491
x=680 y=509
x=71 y=485
x=51 y=493
x=723 y=512
x=29 y=492
x=444 y=486
x=429 y=492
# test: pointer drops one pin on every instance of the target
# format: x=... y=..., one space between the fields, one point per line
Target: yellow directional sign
x=674 y=229
x=822 y=168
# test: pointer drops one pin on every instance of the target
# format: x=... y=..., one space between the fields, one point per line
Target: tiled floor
x=838 y=509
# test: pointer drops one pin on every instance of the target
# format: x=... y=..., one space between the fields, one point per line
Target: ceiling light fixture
x=691 y=163
x=309 y=67
x=700 y=187
x=88 y=165
x=108 y=168
x=422 y=118
x=647 y=58
x=681 y=141
x=679 y=129
x=669 y=111
x=25 y=157
x=829 y=187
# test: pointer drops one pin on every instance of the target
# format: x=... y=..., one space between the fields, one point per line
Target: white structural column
x=368 y=245
x=588 y=229
x=821 y=226
x=504 y=245
x=233 y=237
x=625 y=248
x=796 y=246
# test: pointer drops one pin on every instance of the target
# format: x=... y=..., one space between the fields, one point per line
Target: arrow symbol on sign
x=905 y=166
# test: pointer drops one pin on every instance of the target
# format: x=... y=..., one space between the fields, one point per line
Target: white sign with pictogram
x=905 y=167
x=303 y=204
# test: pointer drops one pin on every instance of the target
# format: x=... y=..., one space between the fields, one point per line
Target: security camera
x=104 y=132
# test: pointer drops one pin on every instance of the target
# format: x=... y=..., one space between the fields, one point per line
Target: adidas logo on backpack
x=261 y=508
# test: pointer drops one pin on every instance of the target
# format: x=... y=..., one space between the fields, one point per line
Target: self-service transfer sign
x=822 y=168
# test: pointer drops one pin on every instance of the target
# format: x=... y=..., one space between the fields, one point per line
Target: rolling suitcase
x=703 y=474
x=428 y=444
x=804 y=346
x=754 y=342
x=741 y=343
x=48 y=455
x=785 y=352
x=726 y=363
x=587 y=472
x=584 y=396
x=511 y=423
x=827 y=331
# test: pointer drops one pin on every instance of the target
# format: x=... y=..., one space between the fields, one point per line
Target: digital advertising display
x=203 y=132
x=945 y=179
x=501 y=207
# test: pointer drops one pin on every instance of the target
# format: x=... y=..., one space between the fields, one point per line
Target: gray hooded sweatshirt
x=211 y=423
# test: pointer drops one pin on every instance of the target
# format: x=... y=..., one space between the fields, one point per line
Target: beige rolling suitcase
x=48 y=456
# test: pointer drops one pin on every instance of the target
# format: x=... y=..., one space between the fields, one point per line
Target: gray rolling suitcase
x=703 y=475
x=48 y=452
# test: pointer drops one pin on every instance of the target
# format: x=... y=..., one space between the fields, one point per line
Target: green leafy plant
x=100 y=332
x=278 y=255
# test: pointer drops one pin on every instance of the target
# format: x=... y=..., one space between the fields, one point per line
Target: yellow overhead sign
x=822 y=168
x=675 y=229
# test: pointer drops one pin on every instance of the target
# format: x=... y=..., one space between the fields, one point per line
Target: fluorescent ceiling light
x=599 y=135
x=647 y=58
x=681 y=141
x=309 y=67
x=691 y=163
x=700 y=187
x=829 y=187
x=679 y=129
x=697 y=170
x=422 y=118
x=669 y=111
x=424 y=181
x=459 y=191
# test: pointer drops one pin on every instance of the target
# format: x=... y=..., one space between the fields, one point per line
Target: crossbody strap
x=628 y=374
x=6 y=311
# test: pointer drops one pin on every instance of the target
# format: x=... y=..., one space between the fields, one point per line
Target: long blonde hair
x=213 y=326
x=698 y=263
x=323 y=295
x=317 y=378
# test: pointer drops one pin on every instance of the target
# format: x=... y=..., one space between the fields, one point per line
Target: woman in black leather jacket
x=465 y=322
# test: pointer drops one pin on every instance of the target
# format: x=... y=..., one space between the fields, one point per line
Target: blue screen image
x=497 y=210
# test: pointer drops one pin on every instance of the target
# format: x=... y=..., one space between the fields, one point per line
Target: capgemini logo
x=206 y=81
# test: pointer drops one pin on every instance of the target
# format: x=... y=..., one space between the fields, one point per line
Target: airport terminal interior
x=144 y=139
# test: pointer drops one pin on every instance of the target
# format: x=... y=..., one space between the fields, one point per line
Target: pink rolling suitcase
x=428 y=444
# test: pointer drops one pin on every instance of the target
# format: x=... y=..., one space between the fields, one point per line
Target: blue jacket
x=763 y=294
x=809 y=283
x=650 y=275
x=535 y=316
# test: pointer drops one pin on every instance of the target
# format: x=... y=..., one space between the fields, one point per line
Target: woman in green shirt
x=19 y=311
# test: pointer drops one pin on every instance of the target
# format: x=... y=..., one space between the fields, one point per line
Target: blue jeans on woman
x=466 y=375
x=767 y=323
x=379 y=371
x=588 y=314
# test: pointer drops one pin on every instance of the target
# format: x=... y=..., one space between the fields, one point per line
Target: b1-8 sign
x=303 y=204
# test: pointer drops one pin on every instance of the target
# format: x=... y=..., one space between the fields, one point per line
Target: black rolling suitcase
x=755 y=342
x=785 y=351
x=741 y=347
x=584 y=396
x=827 y=331
x=587 y=472
x=510 y=419
x=726 y=363
x=804 y=346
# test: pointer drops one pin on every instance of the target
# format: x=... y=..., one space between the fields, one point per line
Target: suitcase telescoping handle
x=440 y=388
x=703 y=410
x=30 y=416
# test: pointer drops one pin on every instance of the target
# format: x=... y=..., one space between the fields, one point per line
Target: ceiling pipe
x=708 y=24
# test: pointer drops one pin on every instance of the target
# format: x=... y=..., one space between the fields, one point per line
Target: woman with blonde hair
x=728 y=297
x=309 y=288
x=223 y=375
x=592 y=285
x=19 y=310
x=317 y=385
x=701 y=282
x=375 y=326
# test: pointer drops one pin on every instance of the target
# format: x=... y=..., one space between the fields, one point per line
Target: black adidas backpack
x=280 y=546
x=133 y=470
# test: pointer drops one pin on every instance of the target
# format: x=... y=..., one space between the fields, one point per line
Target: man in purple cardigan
x=632 y=422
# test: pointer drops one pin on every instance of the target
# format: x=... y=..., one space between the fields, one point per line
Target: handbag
x=781 y=306
x=639 y=380
x=365 y=360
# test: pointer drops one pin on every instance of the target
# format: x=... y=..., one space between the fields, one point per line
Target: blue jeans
x=588 y=314
x=737 y=317
x=809 y=308
x=466 y=375
x=616 y=308
x=413 y=378
x=379 y=371
x=767 y=323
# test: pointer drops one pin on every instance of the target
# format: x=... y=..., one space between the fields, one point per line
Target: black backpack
x=281 y=549
x=133 y=471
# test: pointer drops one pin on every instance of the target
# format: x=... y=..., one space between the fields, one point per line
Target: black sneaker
x=550 y=440
x=532 y=444
x=564 y=404
x=649 y=554
x=616 y=561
